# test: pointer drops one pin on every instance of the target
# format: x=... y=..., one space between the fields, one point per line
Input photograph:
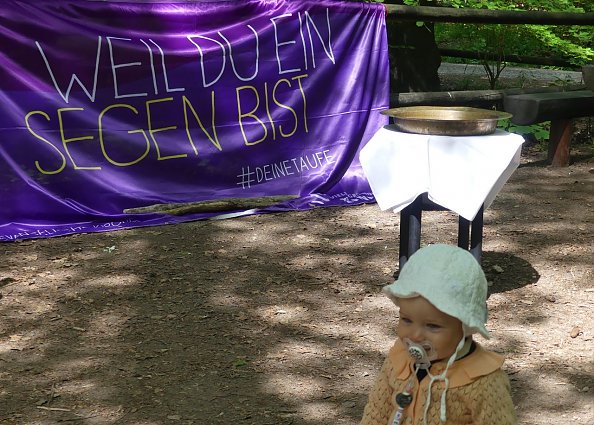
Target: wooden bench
x=561 y=108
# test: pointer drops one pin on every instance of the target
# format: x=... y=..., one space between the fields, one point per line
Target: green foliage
x=540 y=131
x=570 y=42
x=484 y=39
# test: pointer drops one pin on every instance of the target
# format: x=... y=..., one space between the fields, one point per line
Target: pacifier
x=422 y=353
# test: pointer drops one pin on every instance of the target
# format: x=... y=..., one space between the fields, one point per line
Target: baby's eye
x=433 y=326
x=405 y=320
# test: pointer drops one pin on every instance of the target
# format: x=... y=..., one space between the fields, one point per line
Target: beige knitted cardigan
x=479 y=391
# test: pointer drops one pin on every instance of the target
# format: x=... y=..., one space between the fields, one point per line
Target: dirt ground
x=278 y=319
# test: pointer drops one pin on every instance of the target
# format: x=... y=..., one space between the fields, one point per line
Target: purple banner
x=109 y=107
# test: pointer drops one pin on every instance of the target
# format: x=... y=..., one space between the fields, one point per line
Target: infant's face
x=421 y=322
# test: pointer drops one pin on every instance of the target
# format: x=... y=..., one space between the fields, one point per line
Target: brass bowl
x=445 y=120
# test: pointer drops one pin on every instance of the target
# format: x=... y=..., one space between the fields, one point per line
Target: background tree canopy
x=573 y=43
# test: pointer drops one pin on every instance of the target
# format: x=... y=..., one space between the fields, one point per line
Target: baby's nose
x=417 y=335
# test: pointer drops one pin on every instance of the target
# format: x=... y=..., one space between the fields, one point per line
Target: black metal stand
x=410 y=229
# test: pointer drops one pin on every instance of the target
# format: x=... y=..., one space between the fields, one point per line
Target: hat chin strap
x=442 y=377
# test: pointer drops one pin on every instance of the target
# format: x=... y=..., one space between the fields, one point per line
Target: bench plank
x=533 y=108
x=560 y=108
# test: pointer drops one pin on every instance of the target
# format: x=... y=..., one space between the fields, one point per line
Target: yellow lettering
x=102 y=142
x=280 y=127
x=214 y=139
x=249 y=114
x=298 y=78
x=65 y=141
x=41 y=170
x=152 y=130
x=268 y=111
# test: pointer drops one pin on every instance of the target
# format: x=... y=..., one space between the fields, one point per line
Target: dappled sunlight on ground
x=279 y=319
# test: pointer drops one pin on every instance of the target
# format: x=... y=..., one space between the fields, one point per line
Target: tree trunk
x=414 y=56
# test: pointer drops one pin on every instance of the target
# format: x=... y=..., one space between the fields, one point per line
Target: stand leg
x=410 y=233
x=403 y=241
x=414 y=226
x=476 y=236
x=410 y=230
x=463 y=229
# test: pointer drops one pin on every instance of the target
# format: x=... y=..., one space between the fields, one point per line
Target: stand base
x=410 y=230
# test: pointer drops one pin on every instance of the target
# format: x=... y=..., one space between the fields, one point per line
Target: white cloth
x=460 y=173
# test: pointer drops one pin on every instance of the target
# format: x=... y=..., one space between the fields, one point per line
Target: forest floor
x=278 y=319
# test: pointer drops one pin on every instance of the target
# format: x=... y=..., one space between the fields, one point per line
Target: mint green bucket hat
x=451 y=279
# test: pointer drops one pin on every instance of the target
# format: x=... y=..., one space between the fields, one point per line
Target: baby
x=436 y=373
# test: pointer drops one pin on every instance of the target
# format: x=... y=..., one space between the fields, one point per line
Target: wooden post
x=465 y=97
x=559 y=141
